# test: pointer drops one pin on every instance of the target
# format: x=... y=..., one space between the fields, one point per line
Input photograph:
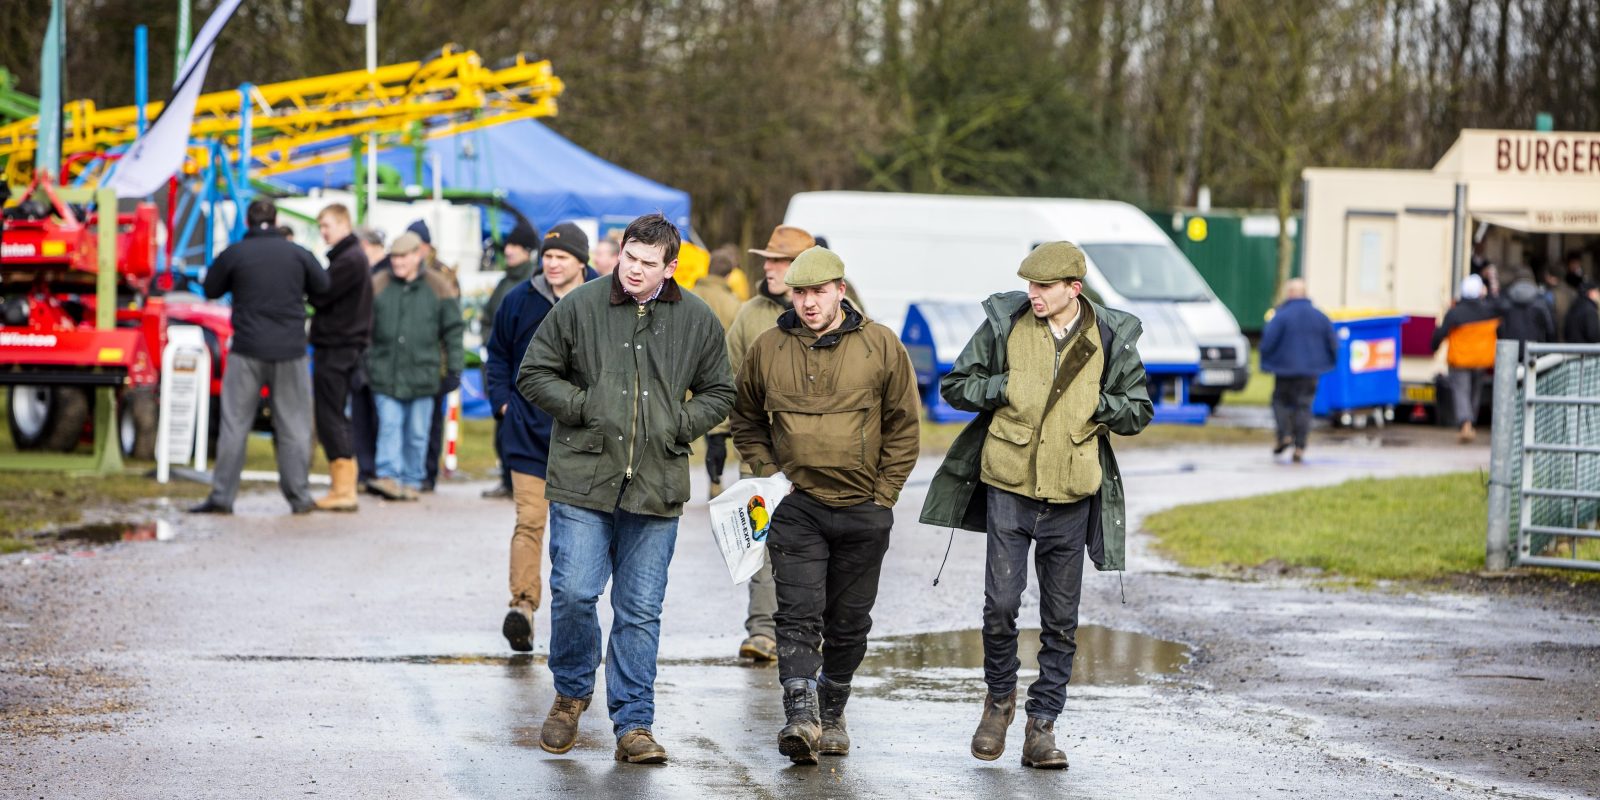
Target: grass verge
x=1257 y=392
x=1366 y=530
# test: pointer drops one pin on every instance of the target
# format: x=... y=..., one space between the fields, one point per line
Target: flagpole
x=372 y=136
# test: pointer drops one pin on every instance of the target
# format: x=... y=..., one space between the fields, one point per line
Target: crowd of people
x=602 y=371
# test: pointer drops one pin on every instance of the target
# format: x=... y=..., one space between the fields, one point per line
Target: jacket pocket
x=574 y=458
x=840 y=431
x=1008 y=451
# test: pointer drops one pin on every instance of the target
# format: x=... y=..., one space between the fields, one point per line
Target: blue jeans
x=587 y=548
x=403 y=438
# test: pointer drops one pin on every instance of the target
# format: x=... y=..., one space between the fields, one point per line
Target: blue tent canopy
x=543 y=175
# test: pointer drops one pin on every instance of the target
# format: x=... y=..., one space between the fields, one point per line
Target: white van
x=900 y=249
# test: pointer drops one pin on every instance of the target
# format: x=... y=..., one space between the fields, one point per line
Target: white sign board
x=185 y=400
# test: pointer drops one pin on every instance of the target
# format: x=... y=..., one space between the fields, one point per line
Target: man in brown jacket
x=714 y=289
x=829 y=398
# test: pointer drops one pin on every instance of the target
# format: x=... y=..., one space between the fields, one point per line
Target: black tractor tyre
x=66 y=414
x=139 y=415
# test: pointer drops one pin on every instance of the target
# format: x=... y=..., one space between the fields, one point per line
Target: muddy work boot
x=560 y=731
x=759 y=647
x=1039 y=746
x=835 y=740
x=518 y=628
x=798 y=739
x=639 y=747
x=989 y=741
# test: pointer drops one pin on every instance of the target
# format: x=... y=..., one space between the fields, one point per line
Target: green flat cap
x=1054 y=261
x=814 y=267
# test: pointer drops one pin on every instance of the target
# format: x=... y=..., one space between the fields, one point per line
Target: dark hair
x=654 y=229
x=285 y=231
x=1574 y=255
x=262 y=213
x=723 y=261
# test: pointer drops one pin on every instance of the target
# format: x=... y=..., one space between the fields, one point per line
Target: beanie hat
x=1471 y=287
x=568 y=238
x=524 y=236
x=420 y=228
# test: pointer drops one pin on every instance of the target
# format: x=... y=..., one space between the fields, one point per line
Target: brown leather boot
x=342 y=496
x=1039 y=746
x=560 y=731
x=639 y=747
x=989 y=741
x=835 y=740
x=798 y=739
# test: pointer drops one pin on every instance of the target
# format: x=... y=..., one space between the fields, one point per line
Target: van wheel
x=47 y=417
x=137 y=419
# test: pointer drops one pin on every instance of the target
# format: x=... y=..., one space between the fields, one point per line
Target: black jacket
x=1582 y=325
x=344 y=311
x=1527 y=315
x=269 y=277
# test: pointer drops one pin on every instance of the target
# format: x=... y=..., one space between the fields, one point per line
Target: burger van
x=901 y=249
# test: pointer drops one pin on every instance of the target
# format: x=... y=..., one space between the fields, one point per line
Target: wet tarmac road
x=360 y=656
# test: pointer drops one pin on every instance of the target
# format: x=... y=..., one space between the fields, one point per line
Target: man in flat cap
x=829 y=398
x=1050 y=374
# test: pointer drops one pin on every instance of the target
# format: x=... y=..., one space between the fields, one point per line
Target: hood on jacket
x=853 y=320
x=1524 y=292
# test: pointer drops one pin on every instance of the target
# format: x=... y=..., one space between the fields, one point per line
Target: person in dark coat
x=523 y=429
x=363 y=407
x=340 y=332
x=1297 y=347
x=1527 y=317
x=1583 y=318
x=269 y=278
x=432 y=264
x=520 y=248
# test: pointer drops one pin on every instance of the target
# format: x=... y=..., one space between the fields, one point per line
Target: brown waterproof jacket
x=838 y=415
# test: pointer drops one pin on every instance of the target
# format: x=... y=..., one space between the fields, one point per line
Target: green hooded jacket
x=978 y=383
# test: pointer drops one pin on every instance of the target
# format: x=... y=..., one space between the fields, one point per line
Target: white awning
x=1547 y=220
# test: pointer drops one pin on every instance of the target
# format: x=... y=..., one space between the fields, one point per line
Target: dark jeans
x=1291 y=406
x=364 y=427
x=332 y=372
x=436 y=439
x=716 y=455
x=826 y=562
x=1058 y=530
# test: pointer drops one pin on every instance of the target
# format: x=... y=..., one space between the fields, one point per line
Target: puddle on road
x=946 y=665
x=103 y=533
x=937 y=663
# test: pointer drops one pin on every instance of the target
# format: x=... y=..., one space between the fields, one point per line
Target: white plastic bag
x=741 y=517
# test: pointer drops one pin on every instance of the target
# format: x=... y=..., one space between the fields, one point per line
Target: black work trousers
x=717 y=456
x=333 y=371
x=435 y=440
x=364 y=425
x=1057 y=532
x=1291 y=407
x=825 y=562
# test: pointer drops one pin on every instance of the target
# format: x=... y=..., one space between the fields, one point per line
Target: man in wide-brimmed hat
x=759 y=314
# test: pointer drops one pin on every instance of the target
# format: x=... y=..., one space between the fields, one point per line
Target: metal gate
x=1544 y=494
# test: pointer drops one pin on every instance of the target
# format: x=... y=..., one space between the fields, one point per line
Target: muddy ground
x=360 y=656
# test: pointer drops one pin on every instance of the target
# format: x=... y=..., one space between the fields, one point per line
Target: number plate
x=1216 y=377
x=1417 y=393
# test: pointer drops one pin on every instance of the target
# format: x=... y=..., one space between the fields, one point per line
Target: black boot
x=1039 y=746
x=798 y=739
x=835 y=739
x=989 y=741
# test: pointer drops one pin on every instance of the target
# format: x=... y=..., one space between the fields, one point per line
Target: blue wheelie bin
x=1365 y=385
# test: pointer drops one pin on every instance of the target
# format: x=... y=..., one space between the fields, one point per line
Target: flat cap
x=814 y=267
x=1054 y=261
x=407 y=243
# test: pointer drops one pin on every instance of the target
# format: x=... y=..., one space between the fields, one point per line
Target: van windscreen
x=1148 y=272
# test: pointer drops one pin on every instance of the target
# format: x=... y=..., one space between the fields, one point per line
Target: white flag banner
x=156 y=155
x=360 y=12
